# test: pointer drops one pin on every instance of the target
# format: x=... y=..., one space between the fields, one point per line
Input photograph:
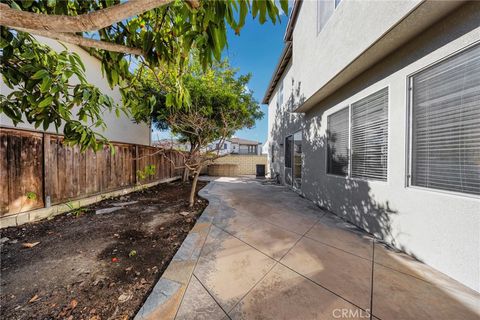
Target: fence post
x=45 y=170
x=135 y=165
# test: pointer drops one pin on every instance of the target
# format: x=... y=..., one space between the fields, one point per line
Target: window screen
x=370 y=136
x=446 y=124
x=337 y=143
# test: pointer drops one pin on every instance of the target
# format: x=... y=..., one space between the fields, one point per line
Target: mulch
x=83 y=265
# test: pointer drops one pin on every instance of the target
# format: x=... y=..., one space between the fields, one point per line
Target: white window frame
x=409 y=131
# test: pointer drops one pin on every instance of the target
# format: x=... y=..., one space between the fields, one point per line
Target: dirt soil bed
x=94 y=266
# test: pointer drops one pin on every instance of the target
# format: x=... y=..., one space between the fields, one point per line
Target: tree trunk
x=86 y=42
x=191 y=201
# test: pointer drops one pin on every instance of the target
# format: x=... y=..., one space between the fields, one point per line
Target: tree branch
x=86 y=42
x=91 y=21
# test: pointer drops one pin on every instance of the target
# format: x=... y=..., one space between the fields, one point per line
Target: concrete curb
x=42 y=213
x=166 y=297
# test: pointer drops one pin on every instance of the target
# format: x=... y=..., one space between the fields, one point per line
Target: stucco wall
x=246 y=164
x=120 y=129
x=439 y=228
x=349 y=31
x=281 y=121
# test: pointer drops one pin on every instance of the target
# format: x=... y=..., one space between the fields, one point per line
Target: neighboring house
x=374 y=114
x=237 y=146
x=119 y=129
x=172 y=144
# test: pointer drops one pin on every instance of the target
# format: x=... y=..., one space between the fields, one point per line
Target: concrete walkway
x=262 y=252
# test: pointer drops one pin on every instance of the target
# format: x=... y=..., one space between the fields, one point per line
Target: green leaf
x=15 y=6
x=45 y=102
x=40 y=74
x=284 y=5
x=46 y=83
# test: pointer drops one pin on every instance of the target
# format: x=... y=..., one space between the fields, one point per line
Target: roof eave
x=286 y=53
x=277 y=74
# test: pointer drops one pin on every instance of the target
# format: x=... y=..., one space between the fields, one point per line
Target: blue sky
x=256 y=50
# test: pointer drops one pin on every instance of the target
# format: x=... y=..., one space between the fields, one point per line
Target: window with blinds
x=370 y=136
x=337 y=142
x=445 y=102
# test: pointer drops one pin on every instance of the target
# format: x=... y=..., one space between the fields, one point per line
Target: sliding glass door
x=293 y=160
x=297 y=160
x=288 y=159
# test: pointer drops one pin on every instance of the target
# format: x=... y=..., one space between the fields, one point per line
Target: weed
x=75 y=211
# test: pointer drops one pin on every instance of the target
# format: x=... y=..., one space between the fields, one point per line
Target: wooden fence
x=37 y=169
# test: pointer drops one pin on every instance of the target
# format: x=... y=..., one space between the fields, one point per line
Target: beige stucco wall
x=121 y=129
x=246 y=164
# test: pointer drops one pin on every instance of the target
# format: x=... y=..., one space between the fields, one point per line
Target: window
x=225 y=146
x=337 y=2
x=325 y=9
x=337 y=143
x=280 y=94
x=273 y=153
x=445 y=124
x=369 y=136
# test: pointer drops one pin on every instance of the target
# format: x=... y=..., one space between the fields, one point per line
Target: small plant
x=132 y=253
x=75 y=211
x=148 y=171
x=31 y=195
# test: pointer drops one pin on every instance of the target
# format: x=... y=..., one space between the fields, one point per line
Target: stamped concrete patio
x=262 y=252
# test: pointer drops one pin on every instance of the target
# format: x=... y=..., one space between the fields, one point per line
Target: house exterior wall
x=282 y=121
x=437 y=227
x=120 y=129
x=346 y=32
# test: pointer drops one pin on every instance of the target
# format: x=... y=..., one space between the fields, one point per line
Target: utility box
x=260 y=171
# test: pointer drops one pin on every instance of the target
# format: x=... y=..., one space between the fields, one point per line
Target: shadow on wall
x=352 y=199
x=285 y=123
x=347 y=198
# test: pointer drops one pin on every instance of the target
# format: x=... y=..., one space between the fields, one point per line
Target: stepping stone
x=107 y=210
x=123 y=204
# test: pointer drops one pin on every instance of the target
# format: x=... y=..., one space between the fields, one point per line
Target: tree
x=220 y=104
x=157 y=33
x=42 y=92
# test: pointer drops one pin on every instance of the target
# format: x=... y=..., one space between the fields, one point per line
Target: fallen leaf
x=124 y=297
x=128 y=269
x=114 y=259
x=73 y=304
x=34 y=298
x=29 y=244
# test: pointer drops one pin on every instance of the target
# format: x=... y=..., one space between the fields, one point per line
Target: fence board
x=25 y=157
x=20 y=160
